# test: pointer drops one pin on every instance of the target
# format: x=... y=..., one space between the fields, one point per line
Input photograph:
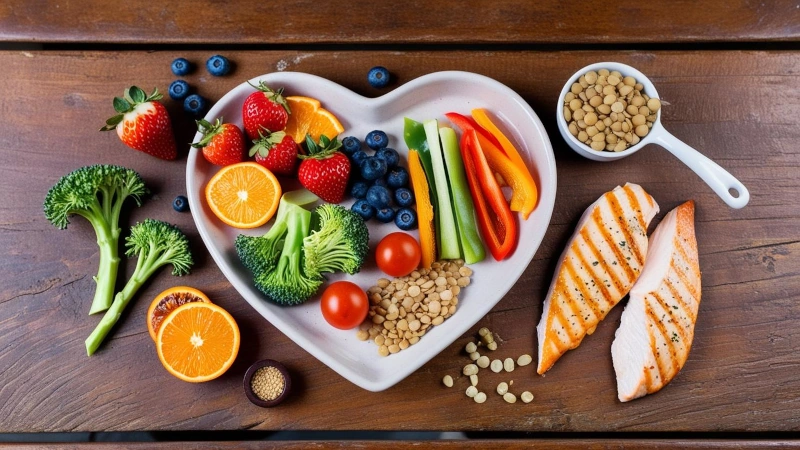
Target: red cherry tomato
x=344 y=305
x=398 y=254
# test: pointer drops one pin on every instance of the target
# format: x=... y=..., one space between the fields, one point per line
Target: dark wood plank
x=416 y=21
x=737 y=107
x=500 y=444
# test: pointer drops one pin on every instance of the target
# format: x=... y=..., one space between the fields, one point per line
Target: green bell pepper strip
x=464 y=208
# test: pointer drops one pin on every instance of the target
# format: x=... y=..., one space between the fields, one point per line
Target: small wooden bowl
x=248 y=379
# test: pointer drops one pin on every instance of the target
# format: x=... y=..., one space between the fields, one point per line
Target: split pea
x=448 y=381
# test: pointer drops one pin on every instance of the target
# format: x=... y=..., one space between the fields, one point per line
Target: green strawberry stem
x=324 y=149
x=132 y=98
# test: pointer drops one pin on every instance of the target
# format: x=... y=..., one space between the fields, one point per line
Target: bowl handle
x=720 y=180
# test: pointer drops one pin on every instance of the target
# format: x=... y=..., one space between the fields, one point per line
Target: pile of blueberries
x=179 y=90
x=378 y=181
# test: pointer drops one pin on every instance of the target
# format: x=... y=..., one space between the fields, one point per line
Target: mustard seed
x=268 y=383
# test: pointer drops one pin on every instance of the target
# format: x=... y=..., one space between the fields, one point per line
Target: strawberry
x=324 y=171
x=264 y=108
x=143 y=124
x=277 y=152
x=222 y=143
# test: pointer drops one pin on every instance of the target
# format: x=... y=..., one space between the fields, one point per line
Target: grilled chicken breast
x=655 y=335
x=602 y=260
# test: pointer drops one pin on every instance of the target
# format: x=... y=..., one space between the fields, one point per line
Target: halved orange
x=168 y=301
x=198 y=342
x=308 y=117
x=243 y=195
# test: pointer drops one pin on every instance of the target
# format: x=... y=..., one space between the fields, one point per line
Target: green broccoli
x=276 y=258
x=156 y=244
x=96 y=193
x=340 y=244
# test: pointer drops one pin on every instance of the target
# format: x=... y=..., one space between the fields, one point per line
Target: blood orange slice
x=167 y=301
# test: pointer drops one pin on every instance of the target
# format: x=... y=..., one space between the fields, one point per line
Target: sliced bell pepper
x=419 y=183
x=416 y=139
x=524 y=192
x=495 y=219
x=481 y=116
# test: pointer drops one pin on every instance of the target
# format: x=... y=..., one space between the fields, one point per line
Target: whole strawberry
x=277 y=152
x=264 y=108
x=325 y=170
x=222 y=143
x=143 y=124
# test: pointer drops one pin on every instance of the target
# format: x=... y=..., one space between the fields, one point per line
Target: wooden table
x=737 y=102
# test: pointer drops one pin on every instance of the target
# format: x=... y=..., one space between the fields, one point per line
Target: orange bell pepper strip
x=495 y=220
x=427 y=231
x=524 y=192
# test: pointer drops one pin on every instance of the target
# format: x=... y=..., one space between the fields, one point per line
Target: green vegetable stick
x=468 y=235
x=414 y=134
x=448 y=243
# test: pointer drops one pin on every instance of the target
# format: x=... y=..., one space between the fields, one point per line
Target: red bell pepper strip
x=468 y=123
x=495 y=220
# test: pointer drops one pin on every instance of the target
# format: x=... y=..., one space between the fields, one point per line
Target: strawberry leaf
x=112 y=123
x=121 y=105
x=137 y=95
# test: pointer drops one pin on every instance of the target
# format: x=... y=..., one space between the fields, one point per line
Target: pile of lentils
x=609 y=112
x=402 y=310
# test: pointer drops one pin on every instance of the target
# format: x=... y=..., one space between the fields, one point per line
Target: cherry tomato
x=398 y=254
x=344 y=305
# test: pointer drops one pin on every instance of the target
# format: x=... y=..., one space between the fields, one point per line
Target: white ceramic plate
x=430 y=96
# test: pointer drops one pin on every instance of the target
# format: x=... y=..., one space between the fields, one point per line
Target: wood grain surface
x=500 y=444
x=739 y=108
x=416 y=21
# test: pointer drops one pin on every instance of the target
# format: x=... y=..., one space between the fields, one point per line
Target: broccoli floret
x=156 y=244
x=276 y=258
x=96 y=193
x=340 y=244
x=287 y=284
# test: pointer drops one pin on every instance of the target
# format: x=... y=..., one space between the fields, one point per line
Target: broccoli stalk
x=339 y=245
x=156 y=244
x=97 y=194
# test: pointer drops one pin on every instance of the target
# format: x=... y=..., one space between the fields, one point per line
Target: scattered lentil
x=471 y=391
x=609 y=112
x=496 y=366
x=524 y=360
x=470 y=369
x=508 y=364
x=526 y=397
x=483 y=362
x=448 y=381
x=268 y=383
x=474 y=356
x=473 y=380
x=509 y=397
x=471 y=347
x=502 y=388
x=480 y=397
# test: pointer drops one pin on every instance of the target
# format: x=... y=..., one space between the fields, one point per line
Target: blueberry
x=378 y=77
x=379 y=197
x=178 y=90
x=406 y=219
x=385 y=215
x=358 y=157
x=377 y=140
x=397 y=178
x=350 y=145
x=380 y=182
x=218 y=65
x=195 y=105
x=181 y=67
x=363 y=209
x=359 y=190
x=389 y=155
x=403 y=197
x=372 y=168
x=180 y=204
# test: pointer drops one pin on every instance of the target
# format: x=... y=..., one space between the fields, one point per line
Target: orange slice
x=198 y=342
x=168 y=301
x=243 y=195
x=308 y=117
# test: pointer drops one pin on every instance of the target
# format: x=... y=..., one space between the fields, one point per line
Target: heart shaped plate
x=427 y=97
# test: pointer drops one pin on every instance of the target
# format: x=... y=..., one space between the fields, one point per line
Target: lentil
x=268 y=383
x=609 y=112
x=471 y=391
x=526 y=397
x=524 y=360
x=502 y=388
x=508 y=364
x=474 y=356
x=480 y=397
x=496 y=366
x=471 y=347
x=509 y=397
x=470 y=369
x=473 y=380
x=448 y=381
x=483 y=362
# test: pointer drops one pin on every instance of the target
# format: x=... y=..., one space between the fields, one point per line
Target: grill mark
x=593 y=305
x=673 y=349
x=596 y=253
x=653 y=346
x=569 y=299
x=648 y=378
x=556 y=312
x=683 y=278
x=677 y=296
x=598 y=220
x=637 y=210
